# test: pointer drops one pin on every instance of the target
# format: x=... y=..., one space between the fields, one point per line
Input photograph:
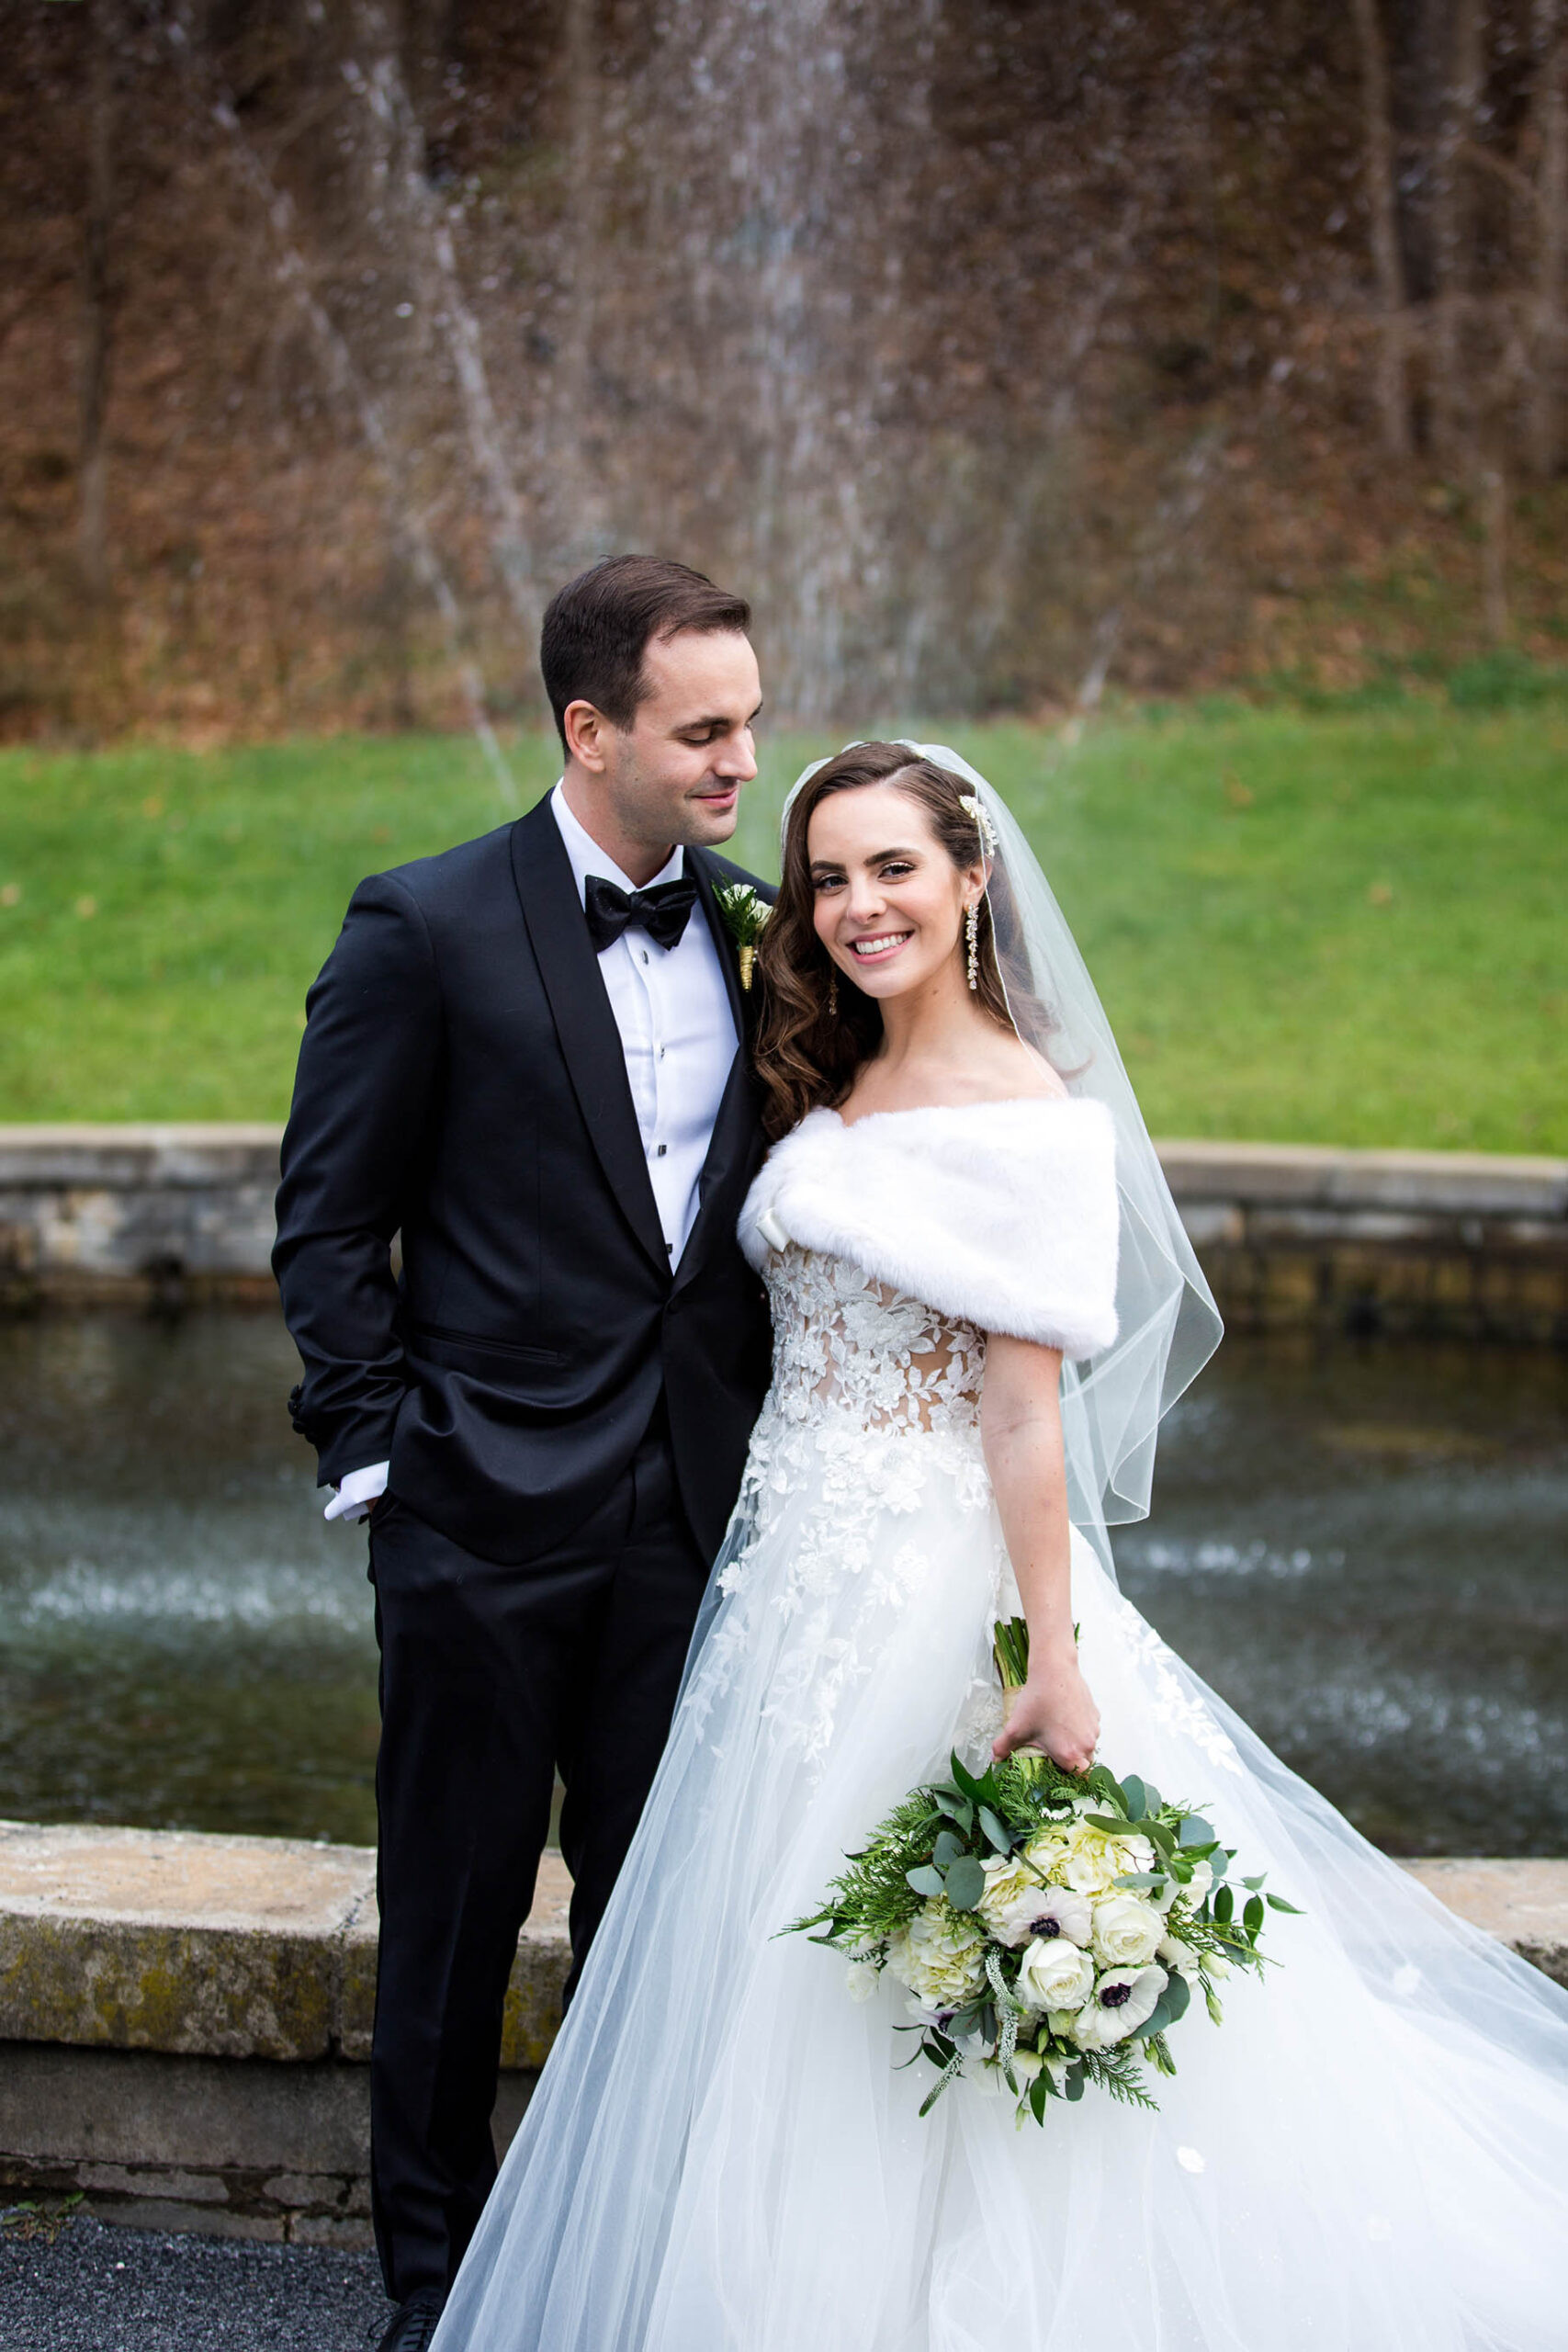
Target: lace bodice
x=874 y=1408
x=844 y=1342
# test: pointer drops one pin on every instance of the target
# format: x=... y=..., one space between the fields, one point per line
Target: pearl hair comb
x=983 y=825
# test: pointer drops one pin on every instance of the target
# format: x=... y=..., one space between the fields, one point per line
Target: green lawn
x=1323 y=927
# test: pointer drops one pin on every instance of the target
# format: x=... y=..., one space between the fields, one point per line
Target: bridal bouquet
x=1050 y=1928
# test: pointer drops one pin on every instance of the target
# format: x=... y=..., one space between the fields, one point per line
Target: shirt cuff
x=353 y=1499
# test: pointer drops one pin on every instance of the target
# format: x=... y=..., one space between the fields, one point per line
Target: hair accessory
x=983 y=825
x=971 y=933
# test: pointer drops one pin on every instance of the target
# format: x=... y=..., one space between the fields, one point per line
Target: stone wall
x=1291 y=1235
x=185 y=2020
x=1470 y=1245
x=184 y=2026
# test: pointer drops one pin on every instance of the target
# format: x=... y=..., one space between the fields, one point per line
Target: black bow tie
x=661 y=911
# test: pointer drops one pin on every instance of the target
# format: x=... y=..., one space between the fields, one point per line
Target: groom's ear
x=585 y=729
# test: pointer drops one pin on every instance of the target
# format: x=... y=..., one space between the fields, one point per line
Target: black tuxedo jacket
x=462 y=1081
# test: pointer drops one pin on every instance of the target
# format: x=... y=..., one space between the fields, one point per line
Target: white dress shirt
x=678 y=1033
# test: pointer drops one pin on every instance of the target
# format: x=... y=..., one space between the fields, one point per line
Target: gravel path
x=100 y=2290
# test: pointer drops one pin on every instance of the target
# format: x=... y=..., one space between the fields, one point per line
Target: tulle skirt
x=722 y=2155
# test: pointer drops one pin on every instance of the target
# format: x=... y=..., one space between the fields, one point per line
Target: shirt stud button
x=663 y=1149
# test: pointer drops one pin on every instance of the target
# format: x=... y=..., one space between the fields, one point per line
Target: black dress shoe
x=413 y=2328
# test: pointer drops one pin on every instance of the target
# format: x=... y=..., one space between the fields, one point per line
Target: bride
x=983 y=1301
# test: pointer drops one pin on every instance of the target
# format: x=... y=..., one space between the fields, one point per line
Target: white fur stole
x=1003 y=1214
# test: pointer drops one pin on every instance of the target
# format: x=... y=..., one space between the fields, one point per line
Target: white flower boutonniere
x=745 y=913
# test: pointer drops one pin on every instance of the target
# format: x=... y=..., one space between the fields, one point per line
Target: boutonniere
x=745 y=914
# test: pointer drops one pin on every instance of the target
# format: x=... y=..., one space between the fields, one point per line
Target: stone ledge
x=223 y=1947
x=1419 y=1183
x=132 y=1155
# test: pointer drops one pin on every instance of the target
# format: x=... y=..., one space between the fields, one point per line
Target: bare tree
x=1454 y=222
x=1494 y=503
x=97 y=294
x=1550 y=109
x=1393 y=408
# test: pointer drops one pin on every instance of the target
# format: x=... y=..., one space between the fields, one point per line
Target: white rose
x=1125 y=1931
x=1180 y=1957
x=1040 y=1911
x=1047 y=1849
x=940 y=1955
x=1054 y=1974
x=859 y=1979
x=1123 y=1999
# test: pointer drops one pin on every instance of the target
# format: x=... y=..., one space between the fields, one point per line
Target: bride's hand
x=1054 y=1711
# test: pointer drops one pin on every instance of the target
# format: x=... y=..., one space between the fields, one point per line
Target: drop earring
x=832 y=992
x=971 y=933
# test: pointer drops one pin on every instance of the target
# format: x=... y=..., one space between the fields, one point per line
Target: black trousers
x=493 y=1678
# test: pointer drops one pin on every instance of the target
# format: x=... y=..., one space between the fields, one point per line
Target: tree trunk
x=1454 y=241
x=1552 y=235
x=1494 y=549
x=1393 y=408
x=97 y=301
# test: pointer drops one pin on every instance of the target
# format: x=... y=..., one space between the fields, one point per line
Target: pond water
x=1358 y=1545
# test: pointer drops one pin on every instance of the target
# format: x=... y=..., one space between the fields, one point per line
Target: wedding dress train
x=723 y=2156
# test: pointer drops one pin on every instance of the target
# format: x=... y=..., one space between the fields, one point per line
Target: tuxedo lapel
x=700 y=866
x=733 y=1152
x=733 y=1147
x=585 y=1025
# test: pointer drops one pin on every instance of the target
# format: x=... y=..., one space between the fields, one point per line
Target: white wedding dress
x=722 y=2155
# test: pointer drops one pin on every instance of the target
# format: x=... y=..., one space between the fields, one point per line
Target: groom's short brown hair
x=598 y=626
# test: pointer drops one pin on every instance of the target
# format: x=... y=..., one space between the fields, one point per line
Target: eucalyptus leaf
x=1195 y=1831
x=926 y=1880
x=1073 y=2088
x=997 y=1831
x=947 y=1849
x=1255 y=1882
x=1136 y=1796
x=1177 y=1998
x=965 y=1884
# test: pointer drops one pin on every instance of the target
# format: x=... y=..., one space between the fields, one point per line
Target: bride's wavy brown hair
x=806 y=1056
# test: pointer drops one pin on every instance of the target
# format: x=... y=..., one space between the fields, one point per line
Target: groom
x=524 y=1056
